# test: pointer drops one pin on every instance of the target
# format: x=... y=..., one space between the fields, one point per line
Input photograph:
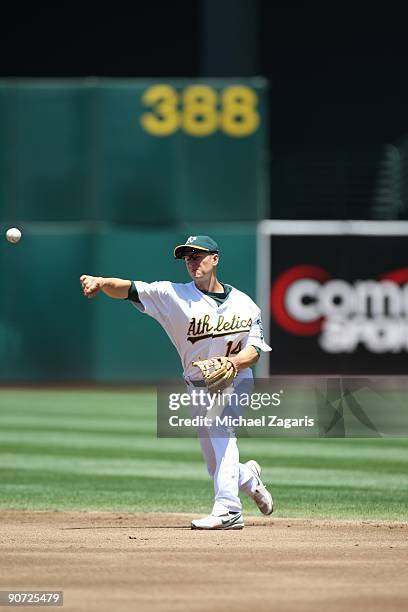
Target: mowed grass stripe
x=111 y=409
x=148 y=469
x=92 y=403
x=74 y=396
x=330 y=448
x=112 y=427
x=318 y=451
x=340 y=503
x=190 y=454
x=78 y=440
x=79 y=465
x=51 y=491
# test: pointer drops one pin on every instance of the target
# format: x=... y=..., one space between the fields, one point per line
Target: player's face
x=199 y=264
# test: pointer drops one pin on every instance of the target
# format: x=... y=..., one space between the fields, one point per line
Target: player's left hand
x=217 y=373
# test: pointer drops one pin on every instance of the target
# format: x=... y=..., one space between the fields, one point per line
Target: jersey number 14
x=232 y=351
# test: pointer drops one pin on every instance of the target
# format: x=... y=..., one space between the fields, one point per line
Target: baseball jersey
x=198 y=327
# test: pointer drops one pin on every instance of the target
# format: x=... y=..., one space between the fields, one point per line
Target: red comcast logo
x=304 y=296
x=303 y=278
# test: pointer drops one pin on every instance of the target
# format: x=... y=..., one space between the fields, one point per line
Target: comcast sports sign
x=307 y=301
x=336 y=302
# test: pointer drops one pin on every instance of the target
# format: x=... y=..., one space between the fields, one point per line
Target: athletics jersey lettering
x=201 y=328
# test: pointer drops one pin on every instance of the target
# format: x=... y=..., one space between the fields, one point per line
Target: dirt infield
x=154 y=562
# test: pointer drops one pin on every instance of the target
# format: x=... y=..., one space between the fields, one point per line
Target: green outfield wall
x=133 y=152
x=50 y=333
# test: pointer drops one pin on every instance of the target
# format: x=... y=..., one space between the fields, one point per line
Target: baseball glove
x=217 y=372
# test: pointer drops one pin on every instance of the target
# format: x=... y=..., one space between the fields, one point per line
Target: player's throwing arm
x=113 y=287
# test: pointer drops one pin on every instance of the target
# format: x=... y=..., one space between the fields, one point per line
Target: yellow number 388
x=199 y=110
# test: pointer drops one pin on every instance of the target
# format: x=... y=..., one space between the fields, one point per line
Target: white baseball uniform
x=200 y=329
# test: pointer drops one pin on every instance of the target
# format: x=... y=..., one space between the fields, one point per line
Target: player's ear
x=215 y=259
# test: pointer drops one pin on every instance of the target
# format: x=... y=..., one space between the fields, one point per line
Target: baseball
x=13 y=235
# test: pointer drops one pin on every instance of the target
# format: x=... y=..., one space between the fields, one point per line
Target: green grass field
x=97 y=450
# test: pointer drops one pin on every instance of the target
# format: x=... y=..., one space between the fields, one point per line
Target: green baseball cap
x=199 y=243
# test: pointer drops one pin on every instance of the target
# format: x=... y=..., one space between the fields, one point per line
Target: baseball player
x=217 y=331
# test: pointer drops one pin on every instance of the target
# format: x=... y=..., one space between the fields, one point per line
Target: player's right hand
x=91 y=285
